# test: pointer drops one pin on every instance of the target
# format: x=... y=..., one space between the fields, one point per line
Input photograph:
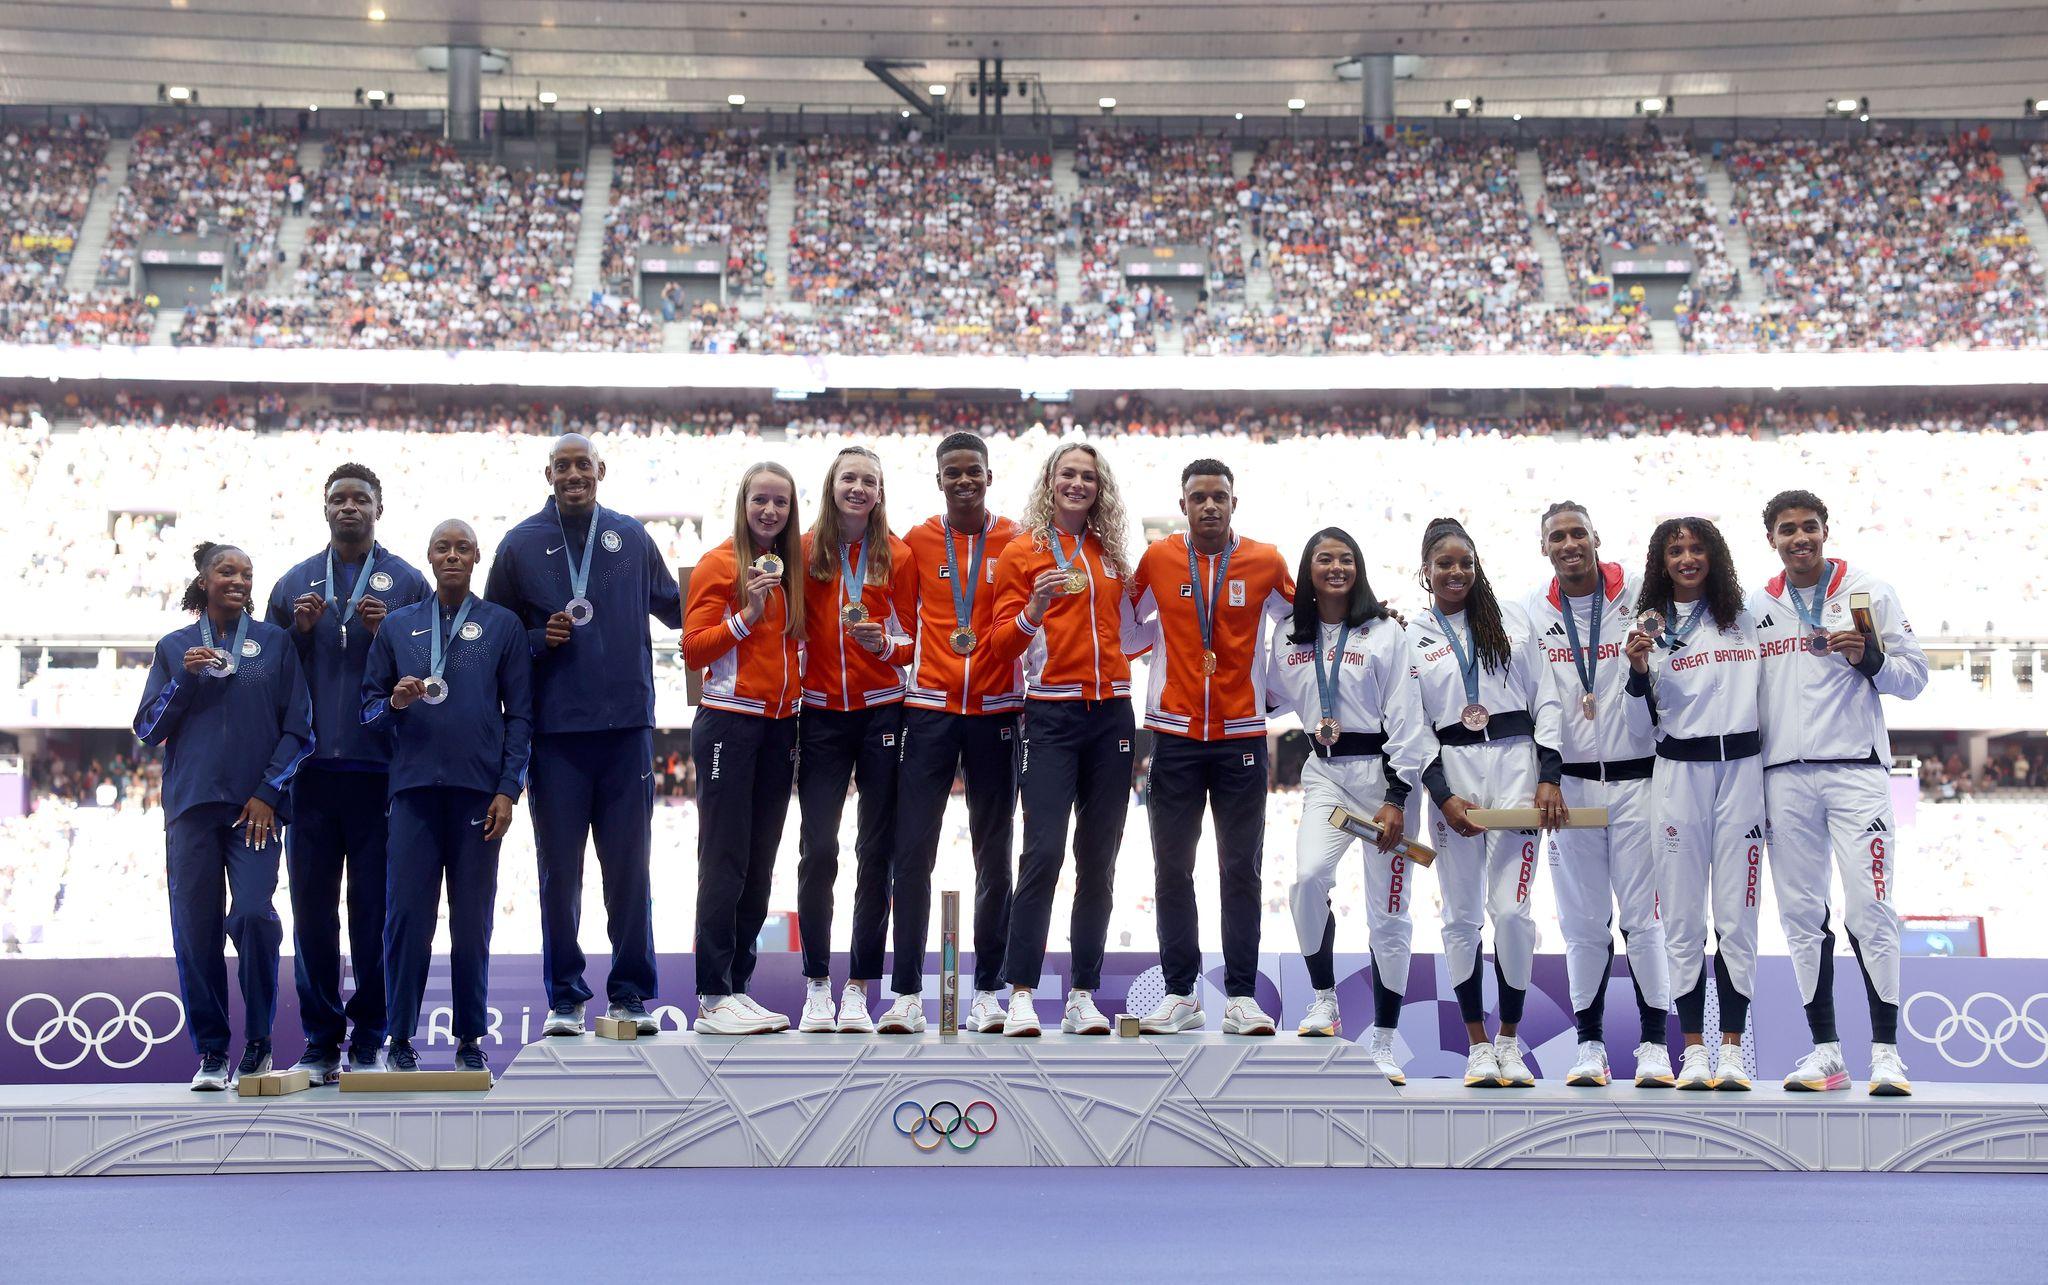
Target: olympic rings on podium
x=946 y=1130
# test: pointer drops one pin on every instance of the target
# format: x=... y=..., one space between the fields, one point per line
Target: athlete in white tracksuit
x=1607 y=764
x=1827 y=782
x=1706 y=811
x=1383 y=743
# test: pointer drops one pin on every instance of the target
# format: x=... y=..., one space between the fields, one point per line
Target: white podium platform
x=828 y=1100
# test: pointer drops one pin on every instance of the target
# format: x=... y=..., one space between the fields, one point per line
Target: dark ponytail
x=203 y=557
x=1482 y=609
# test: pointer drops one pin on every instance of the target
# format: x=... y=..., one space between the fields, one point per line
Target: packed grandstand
x=896 y=243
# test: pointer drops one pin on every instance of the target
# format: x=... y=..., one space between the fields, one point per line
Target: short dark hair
x=1208 y=468
x=360 y=472
x=963 y=442
x=1793 y=500
x=1565 y=506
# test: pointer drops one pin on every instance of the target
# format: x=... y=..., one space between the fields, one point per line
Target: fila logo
x=1187 y=591
x=1123 y=747
x=1251 y=760
x=888 y=739
x=1755 y=832
x=1765 y=623
x=1877 y=827
x=945 y=573
x=1005 y=733
x=1555 y=629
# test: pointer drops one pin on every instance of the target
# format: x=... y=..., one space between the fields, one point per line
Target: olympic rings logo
x=73 y=1025
x=2017 y=1021
x=945 y=1131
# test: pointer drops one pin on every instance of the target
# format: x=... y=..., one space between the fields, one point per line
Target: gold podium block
x=616 y=1028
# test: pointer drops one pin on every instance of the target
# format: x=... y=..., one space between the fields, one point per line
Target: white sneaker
x=1322 y=1017
x=1888 y=1073
x=1589 y=1068
x=905 y=1016
x=816 y=1019
x=212 y=1076
x=1082 y=1017
x=1379 y=1046
x=565 y=1020
x=1023 y=1017
x=725 y=1015
x=985 y=1015
x=1653 y=1067
x=1820 y=1071
x=1243 y=1016
x=853 y=1012
x=1482 y=1067
x=1514 y=1072
x=776 y=1021
x=1728 y=1073
x=1695 y=1068
x=1174 y=1014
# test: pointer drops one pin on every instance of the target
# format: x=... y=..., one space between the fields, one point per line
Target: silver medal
x=580 y=611
x=434 y=690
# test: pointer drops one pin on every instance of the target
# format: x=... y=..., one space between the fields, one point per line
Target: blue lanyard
x=437 y=660
x=1674 y=636
x=963 y=596
x=854 y=581
x=356 y=594
x=1809 y=616
x=1591 y=663
x=241 y=632
x=1059 y=548
x=1468 y=661
x=1326 y=684
x=579 y=576
x=1205 y=606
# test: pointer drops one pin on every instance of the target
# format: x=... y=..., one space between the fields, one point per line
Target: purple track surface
x=1015 y=1224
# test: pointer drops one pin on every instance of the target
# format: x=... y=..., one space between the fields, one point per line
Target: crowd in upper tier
x=899 y=243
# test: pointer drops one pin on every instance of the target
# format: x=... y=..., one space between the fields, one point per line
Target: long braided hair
x=1482 y=609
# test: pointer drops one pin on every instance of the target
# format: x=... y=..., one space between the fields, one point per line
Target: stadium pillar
x=1376 y=85
x=465 y=92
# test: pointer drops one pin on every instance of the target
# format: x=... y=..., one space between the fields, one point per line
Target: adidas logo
x=1765 y=623
x=1555 y=629
x=1877 y=827
x=1755 y=832
x=1427 y=641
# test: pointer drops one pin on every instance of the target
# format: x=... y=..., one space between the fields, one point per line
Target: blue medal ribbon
x=579 y=575
x=1587 y=668
x=963 y=596
x=1468 y=660
x=235 y=651
x=857 y=577
x=1326 y=683
x=1205 y=605
x=1677 y=632
x=1810 y=615
x=1059 y=548
x=355 y=595
x=437 y=658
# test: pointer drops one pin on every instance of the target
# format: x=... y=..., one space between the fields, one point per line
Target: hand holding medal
x=1648 y=628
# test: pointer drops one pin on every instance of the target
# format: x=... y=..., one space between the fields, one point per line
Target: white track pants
x=1358 y=786
x=1597 y=872
x=1492 y=875
x=1843 y=811
x=1709 y=820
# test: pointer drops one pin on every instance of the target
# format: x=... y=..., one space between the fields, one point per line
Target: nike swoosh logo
x=322 y=580
x=645 y=775
x=417 y=632
x=557 y=549
x=479 y=820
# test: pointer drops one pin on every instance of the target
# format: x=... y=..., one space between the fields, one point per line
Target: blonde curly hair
x=1106 y=518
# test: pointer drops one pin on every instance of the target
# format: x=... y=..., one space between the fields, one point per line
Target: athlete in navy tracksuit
x=593 y=744
x=233 y=739
x=333 y=604
x=458 y=766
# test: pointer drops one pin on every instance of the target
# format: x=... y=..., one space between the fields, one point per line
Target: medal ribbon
x=1468 y=661
x=1326 y=684
x=1809 y=616
x=963 y=598
x=1674 y=636
x=850 y=575
x=1059 y=548
x=241 y=632
x=437 y=659
x=1591 y=663
x=1205 y=607
x=579 y=576
x=355 y=595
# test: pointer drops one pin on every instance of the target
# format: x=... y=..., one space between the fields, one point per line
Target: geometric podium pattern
x=1199 y=1099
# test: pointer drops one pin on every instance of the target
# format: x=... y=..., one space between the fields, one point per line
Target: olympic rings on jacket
x=946 y=1130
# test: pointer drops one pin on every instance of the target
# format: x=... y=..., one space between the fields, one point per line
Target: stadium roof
x=1544 y=58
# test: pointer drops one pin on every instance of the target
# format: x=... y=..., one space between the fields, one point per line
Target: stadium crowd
x=205 y=181
x=671 y=188
x=1630 y=193
x=46 y=180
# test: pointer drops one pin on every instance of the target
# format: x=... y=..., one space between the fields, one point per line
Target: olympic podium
x=680 y=1100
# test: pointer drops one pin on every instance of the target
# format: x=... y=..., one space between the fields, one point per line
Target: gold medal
x=1208 y=661
x=854 y=613
x=961 y=640
x=769 y=564
x=1588 y=705
x=1077 y=581
x=1327 y=731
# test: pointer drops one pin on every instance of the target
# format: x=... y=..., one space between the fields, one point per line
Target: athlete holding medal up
x=960 y=715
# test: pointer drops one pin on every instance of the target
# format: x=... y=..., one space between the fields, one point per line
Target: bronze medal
x=1327 y=731
x=1588 y=705
x=1475 y=717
